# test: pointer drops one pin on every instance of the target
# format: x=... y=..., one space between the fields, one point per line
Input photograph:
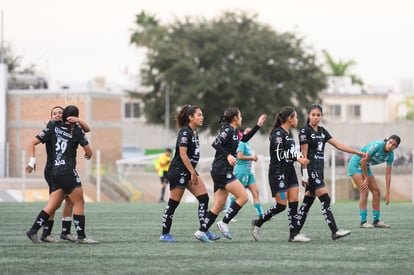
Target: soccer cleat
x=48 y=239
x=86 y=241
x=300 y=239
x=255 y=230
x=212 y=236
x=366 y=225
x=168 y=238
x=32 y=236
x=380 y=224
x=202 y=237
x=340 y=233
x=68 y=237
x=224 y=229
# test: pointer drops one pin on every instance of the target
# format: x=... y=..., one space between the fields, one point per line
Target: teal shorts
x=354 y=167
x=246 y=178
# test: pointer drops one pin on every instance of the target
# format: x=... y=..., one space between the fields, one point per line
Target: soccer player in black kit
x=66 y=137
x=56 y=114
x=282 y=175
x=182 y=173
x=312 y=139
x=222 y=173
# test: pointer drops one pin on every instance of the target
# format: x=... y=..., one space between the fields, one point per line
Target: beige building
x=29 y=110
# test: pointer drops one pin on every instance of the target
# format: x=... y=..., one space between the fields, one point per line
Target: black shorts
x=281 y=180
x=48 y=177
x=66 y=180
x=178 y=178
x=221 y=180
x=315 y=180
x=164 y=178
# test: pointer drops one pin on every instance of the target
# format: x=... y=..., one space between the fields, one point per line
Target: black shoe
x=32 y=236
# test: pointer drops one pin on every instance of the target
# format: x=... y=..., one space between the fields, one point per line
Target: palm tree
x=341 y=68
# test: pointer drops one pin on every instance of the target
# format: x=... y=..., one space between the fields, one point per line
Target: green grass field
x=129 y=232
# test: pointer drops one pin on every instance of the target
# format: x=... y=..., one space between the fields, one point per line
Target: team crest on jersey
x=223 y=134
x=279 y=139
x=184 y=139
x=302 y=137
x=41 y=134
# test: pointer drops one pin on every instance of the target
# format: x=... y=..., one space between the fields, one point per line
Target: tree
x=341 y=68
x=408 y=104
x=229 y=61
x=13 y=62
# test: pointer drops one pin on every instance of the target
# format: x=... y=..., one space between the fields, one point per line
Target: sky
x=78 y=40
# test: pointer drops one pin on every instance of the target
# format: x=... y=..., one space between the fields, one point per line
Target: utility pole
x=167 y=114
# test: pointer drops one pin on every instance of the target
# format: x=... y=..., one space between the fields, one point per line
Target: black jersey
x=65 y=138
x=186 y=138
x=282 y=149
x=226 y=143
x=316 y=144
x=45 y=137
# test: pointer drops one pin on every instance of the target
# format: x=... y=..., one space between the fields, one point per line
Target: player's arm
x=82 y=123
x=31 y=165
x=187 y=163
x=387 y=184
x=304 y=150
x=242 y=156
x=88 y=151
x=363 y=163
x=335 y=143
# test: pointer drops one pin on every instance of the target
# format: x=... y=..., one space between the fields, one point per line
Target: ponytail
x=281 y=118
x=229 y=114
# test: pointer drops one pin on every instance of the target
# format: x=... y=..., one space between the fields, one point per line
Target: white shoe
x=366 y=225
x=340 y=233
x=380 y=224
x=224 y=229
x=300 y=238
x=202 y=237
x=48 y=239
x=255 y=230
x=86 y=241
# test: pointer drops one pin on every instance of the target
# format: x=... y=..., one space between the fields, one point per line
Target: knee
x=376 y=192
x=242 y=200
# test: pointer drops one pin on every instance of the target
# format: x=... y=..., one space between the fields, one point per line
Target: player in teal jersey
x=359 y=169
x=243 y=171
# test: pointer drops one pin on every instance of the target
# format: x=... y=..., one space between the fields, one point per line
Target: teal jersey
x=376 y=153
x=244 y=165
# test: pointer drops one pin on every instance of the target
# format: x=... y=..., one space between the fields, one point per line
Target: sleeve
x=221 y=139
x=81 y=137
x=241 y=147
x=183 y=137
x=391 y=159
x=303 y=136
x=45 y=135
x=249 y=135
x=327 y=135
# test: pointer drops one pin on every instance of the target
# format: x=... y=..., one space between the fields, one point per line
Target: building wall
x=28 y=111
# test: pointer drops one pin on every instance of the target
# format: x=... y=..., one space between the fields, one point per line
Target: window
x=132 y=110
x=354 y=112
x=334 y=111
